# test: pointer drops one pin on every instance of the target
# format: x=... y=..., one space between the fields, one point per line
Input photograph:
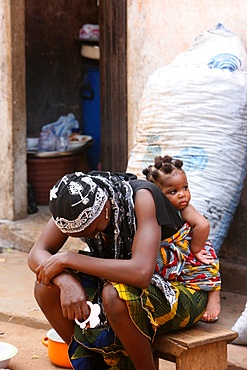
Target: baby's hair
x=164 y=164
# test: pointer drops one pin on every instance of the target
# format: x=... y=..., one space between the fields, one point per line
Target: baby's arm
x=200 y=233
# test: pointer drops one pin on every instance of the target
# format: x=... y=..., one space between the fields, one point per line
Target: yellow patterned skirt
x=150 y=311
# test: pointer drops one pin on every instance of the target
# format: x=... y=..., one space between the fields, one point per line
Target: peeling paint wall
x=6 y=193
x=159 y=30
x=13 y=189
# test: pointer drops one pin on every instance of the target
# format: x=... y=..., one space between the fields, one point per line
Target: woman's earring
x=106 y=213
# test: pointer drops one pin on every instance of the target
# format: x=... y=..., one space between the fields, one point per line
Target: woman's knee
x=113 y=305
x=44 y=294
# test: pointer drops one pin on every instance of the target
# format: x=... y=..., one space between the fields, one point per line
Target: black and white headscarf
x=78 y=199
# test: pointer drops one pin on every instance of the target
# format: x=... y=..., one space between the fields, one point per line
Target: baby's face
x=175 y=187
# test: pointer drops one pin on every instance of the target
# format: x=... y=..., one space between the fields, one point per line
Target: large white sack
x=216 y=47
x=197 y=112
x=240 y=327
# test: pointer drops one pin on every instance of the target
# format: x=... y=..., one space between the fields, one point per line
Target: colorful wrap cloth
x=175 y=299
x=150 y=311
x=161 y=308
x=177 y=263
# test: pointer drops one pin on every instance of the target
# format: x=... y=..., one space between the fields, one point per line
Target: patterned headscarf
x=75 y=202
x=78 y=199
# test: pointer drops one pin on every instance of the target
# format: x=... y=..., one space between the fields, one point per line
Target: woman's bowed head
x=122 y=220
x=76 y=204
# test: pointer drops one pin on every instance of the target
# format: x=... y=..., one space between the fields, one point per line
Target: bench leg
x=211 y=356
x=156 y=362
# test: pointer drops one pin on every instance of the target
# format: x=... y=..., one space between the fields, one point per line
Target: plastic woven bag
x=240 y=327
x=195 y=109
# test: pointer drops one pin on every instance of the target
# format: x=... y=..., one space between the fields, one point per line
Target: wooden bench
x=201 y=348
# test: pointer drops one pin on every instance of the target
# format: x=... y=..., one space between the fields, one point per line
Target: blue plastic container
x=90 y=96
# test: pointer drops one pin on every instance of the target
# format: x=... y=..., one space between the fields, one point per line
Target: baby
x=169 y=176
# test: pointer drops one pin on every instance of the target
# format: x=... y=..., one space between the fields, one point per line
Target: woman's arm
x=72 y=295
x=136 y=271
x=49 y=242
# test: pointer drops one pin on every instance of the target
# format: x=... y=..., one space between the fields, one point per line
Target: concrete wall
x=13 y=186
x=159 y=30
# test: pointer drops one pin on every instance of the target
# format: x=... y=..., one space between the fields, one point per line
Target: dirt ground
x=18 y=310
x=32 y=354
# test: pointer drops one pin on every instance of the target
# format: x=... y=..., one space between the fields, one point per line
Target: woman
x=123 y=222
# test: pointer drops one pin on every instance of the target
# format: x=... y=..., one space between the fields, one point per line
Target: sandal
x=210 y=321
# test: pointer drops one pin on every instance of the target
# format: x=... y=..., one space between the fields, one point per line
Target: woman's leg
x=135 y=343
x=48 y=299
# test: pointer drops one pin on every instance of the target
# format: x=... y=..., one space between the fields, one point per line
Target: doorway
x=113 y=69
x=53 y=69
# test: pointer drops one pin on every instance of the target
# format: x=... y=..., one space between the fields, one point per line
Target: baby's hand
x=204 y=257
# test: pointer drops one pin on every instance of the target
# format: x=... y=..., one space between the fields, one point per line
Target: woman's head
x=168 y=175
x=76 y=201
x=83 y=205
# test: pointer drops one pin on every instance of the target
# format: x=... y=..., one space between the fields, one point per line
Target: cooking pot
x=57 y=349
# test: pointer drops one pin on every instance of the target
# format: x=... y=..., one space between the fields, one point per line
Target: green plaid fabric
x=151 y=312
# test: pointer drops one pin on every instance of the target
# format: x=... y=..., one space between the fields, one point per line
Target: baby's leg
x=213 y=307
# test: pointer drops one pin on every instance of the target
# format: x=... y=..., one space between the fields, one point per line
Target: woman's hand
x=51 y=267
x=72 y=297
